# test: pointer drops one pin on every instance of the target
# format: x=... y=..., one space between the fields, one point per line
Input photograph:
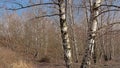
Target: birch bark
x=64 y=33
x=92 y=27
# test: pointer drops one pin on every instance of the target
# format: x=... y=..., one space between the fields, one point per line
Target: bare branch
x=22 y=7
x=110 y=5
x=45 y=16
x=106 y=12
x=12 y=2
x=105 y=26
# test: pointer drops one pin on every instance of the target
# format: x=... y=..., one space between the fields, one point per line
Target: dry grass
x=22 y=64
x=9 y=59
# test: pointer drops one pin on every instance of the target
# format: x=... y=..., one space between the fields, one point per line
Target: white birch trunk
x=64 y=33
x=92 y=34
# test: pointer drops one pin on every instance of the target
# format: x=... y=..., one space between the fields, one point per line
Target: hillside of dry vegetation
x=40 y=43
x=15 y=54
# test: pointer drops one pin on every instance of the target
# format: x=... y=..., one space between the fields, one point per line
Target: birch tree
x=64 y=33
x=92 y=27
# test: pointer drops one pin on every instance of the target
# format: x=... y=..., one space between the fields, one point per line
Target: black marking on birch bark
x=92 y=26
x=64 y=33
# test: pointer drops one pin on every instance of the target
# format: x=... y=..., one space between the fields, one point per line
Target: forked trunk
x=92 y=27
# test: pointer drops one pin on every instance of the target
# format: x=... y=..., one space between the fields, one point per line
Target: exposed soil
x=110 y=64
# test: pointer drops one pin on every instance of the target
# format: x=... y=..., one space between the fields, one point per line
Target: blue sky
x=26 y=2
x=10 y=4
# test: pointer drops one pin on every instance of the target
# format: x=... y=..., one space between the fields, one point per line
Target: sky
x=11 y=4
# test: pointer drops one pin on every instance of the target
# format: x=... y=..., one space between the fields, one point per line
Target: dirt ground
x=111 y=64
x=5 y=62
